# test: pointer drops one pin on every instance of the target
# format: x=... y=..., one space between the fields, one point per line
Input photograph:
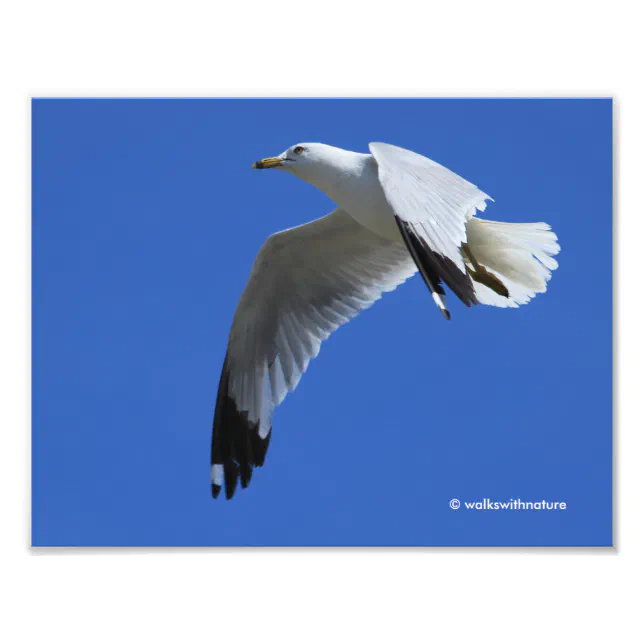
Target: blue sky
x=146 y=220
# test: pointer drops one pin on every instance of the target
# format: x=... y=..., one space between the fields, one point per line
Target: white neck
x=334 y=168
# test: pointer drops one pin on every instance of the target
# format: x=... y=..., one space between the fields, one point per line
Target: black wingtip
x=446 y=314
x=435 y=267
x=260 y=446
x=246 y=475
x=231 y=474
x=237 y=446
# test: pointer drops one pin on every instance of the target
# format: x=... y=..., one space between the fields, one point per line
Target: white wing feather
x=305 y=282
x=435 y=201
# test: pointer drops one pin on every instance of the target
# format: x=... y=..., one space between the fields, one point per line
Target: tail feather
x=520 y=255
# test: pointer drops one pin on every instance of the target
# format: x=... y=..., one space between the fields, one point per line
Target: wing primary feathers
x=216 y=452
x=435 y=267
x=260 y=445
x=427 y=271
x=236 y=444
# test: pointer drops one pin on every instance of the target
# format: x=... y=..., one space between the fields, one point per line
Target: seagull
x=398 y=213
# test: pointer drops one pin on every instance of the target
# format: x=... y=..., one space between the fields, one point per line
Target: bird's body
x=398 y=213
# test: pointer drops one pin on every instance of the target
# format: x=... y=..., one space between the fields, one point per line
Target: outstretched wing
x=431 y=205
x=305 y=282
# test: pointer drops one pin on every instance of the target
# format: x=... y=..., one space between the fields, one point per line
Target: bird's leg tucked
x=481 y=275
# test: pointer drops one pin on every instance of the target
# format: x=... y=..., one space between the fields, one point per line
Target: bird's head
x=319 y=164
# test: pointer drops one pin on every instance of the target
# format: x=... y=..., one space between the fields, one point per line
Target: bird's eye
x=298 y=150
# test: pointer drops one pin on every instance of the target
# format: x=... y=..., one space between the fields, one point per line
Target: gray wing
x=432 y=205
x=305 y=283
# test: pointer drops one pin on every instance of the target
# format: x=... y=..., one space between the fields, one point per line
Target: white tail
x=520 y=255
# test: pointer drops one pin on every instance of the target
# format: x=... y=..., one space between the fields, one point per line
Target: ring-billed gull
x=398 y=213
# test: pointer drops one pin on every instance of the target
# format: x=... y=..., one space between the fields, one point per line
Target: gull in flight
x=397 y=213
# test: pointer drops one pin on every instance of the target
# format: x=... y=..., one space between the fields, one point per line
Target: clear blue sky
x=146 y=219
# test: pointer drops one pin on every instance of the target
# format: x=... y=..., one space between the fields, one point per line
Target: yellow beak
x=270 y=162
